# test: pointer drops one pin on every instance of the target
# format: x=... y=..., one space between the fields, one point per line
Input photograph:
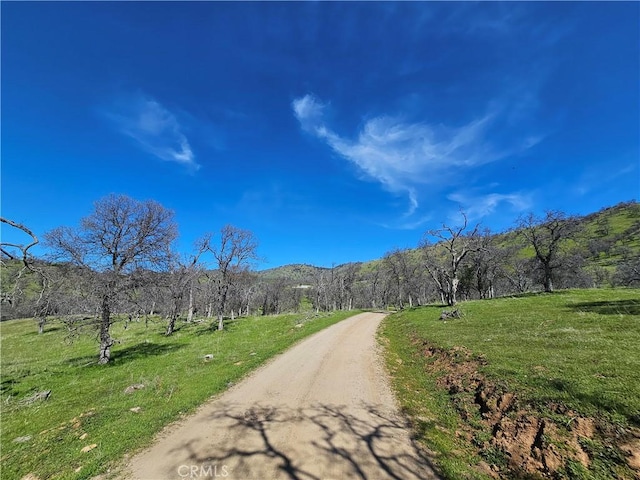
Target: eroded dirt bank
x=518 y=440
x=322 y=410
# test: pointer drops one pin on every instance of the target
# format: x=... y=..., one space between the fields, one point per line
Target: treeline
x=469 y=262
x=118 y=265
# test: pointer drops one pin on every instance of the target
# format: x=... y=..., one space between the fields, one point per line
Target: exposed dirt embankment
x=520 y=440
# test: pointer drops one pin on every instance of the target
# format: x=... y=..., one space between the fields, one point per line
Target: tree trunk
x=41 y=322
x=172 y=324
x=222 y=302
x=190 y=311
x=548 y=284
x=453 y=290
x=106 y=342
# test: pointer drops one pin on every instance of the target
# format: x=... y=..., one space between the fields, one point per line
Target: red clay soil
x=517 y=440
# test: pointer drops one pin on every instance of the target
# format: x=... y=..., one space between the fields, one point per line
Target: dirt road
x=321 y=410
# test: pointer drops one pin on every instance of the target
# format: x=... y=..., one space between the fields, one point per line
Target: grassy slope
x=577 y=347
x=619 y=226
x=176 y=380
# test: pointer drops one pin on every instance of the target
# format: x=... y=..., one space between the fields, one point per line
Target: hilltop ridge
x=607 y=236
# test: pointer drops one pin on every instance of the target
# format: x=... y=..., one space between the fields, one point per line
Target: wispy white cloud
x=309 y=111
x=475 y=20
x=598 y=177
x=402 y=156
x=477 y=207
x=153 y=127
x=405 y=224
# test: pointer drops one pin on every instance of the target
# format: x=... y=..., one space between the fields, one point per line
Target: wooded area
x=120 y=265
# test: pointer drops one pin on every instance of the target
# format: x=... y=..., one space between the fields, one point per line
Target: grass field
x=88 y=406
x=578 y=348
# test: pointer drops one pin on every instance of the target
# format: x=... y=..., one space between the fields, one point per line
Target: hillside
x=612 y=233
x=607 y=237
x=528 y=386
x=297 y=273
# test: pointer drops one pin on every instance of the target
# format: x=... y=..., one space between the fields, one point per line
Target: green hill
x=534 y=386
x=606 y=238
x=295 y=273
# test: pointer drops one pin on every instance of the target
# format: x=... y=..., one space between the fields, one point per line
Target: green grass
x=576 y=347
x=433 y=417
x=87 y=398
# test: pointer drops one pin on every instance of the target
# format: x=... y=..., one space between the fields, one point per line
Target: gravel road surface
x=321 y=410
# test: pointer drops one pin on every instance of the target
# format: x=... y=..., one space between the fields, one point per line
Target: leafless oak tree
x=444 y=257
x=14 y=251
x=401 y=269
x=486 y=264
x=546 y=235
x=19 y=252
x=234 y=252
x=118 y=237
x=181 y=275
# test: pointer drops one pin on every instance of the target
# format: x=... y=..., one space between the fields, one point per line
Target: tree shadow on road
x=360 y=442
x=376 y=432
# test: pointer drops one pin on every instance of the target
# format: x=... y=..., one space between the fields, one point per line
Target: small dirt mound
x=518 y=440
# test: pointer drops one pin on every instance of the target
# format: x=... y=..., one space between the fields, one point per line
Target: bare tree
x=182 y=274
x=234 y=254
x=120 y=236
x=443 y=259
x=349 y=276
x=14 y=251
x=246 y=292
x=516 y=270
x=486 y=264
x=334 y=290
x=628 y=271
x=370 y=287
x=401 y=270
x=273 y=293
x=321 y=290
x=547 y=235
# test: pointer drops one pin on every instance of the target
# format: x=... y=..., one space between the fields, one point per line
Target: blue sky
x=334 y=131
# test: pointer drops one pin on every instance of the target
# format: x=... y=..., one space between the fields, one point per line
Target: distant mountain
x=298 y=273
